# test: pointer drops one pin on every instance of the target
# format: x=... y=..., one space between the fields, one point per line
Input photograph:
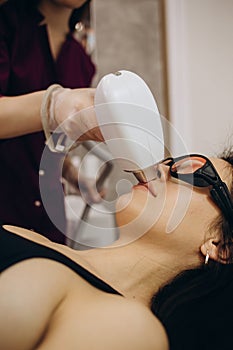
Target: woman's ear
x=210 y=249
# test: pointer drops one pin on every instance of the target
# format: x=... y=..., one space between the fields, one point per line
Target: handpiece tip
x=145 y=175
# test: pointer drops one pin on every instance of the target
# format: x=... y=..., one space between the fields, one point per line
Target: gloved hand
x=70 y=111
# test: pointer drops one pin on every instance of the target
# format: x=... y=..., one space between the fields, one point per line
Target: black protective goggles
x=198 y=171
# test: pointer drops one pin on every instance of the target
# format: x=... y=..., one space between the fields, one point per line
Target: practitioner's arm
x=20 y=115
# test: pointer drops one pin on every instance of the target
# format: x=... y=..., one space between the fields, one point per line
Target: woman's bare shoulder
x=29 y=292
x=20 y=231
x=130 y=325
x=105 y=322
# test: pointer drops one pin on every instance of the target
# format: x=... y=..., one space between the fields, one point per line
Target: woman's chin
x=130 y=207
x=133 y=216
x=123 y=209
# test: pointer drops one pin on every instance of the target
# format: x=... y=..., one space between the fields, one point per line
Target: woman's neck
x=136 y=270
x=55 y=16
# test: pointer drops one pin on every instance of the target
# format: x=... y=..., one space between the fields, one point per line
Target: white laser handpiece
x=130 y=122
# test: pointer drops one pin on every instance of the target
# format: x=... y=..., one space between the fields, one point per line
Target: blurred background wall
x=200 y=73
x=130 y=35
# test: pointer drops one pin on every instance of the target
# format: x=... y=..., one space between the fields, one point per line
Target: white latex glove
x=73 y=112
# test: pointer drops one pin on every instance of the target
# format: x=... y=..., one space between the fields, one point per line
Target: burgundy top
x=27 y=65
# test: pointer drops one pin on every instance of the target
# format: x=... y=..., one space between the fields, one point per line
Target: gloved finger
x=82 y=125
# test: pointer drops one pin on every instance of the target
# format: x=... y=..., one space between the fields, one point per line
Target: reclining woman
x=56 y=298
x=102 y=298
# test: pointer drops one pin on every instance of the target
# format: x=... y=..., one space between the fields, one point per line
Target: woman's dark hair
x=27 y=6
x=196 y=307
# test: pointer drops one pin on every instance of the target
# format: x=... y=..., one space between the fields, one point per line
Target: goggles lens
x=188 y=165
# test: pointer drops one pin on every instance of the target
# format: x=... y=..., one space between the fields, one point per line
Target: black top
x=14 y=248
